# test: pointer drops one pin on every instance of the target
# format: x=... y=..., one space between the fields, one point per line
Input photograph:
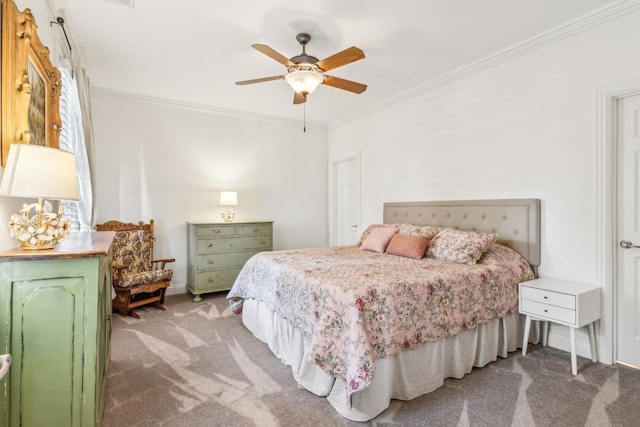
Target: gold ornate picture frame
x=30 y=84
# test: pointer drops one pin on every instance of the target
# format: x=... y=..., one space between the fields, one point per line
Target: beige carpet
x=196 y=365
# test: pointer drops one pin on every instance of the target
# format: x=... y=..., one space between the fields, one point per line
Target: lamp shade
x=35 y=171
x=304 y=81
x=228 y=198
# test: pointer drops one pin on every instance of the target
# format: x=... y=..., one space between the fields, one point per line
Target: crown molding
x=202 y=108
x=561 y=32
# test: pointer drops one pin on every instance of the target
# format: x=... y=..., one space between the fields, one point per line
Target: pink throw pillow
x=408 y=246
x=378 y=239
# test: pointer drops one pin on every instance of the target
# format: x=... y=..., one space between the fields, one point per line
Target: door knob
x=626 y=244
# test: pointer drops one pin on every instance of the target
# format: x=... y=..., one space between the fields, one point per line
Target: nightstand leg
x=574 y=362
x=525 y=339
x=592 y=341
x=545 y=332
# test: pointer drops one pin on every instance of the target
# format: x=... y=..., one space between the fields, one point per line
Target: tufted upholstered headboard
x=515 y=221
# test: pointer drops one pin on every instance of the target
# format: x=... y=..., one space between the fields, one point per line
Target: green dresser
x=55 y=320
x=218 y=250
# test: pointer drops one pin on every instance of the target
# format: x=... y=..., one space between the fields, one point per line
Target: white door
x=628 y=304
x=347 y=190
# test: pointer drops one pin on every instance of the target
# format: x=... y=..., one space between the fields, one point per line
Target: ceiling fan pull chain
x=304 y=117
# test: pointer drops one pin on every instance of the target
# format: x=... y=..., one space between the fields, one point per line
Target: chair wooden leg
x=136 y=296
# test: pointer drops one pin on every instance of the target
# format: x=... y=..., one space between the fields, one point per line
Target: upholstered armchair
x=138 y=279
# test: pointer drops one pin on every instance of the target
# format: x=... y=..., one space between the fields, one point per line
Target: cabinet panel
x=47 y=396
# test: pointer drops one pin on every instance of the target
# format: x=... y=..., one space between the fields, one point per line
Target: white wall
x=169 y=162
x=523 y=128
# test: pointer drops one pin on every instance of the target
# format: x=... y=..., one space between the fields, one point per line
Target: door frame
x=333 y=202
x=607 y=209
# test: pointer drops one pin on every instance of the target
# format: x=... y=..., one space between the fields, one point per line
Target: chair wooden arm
x=162 y=263
x=119 y=269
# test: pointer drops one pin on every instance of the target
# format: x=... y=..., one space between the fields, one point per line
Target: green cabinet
x=217 y=252
x=55 y=320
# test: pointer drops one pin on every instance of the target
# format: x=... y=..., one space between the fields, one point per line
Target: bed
x=362 y=327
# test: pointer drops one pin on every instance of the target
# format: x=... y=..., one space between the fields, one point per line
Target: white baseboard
x=177 y=289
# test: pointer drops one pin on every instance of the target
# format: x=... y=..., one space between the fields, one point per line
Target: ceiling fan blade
x=345 y=57
x=264 y=79
x=273 y=54
x=339 y=83
x=299 y=98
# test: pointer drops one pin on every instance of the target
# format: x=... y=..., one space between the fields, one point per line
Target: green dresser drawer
x=217 y=280
x=224 y=260
x=216 y=230
x=254 y=229
x=231 y=244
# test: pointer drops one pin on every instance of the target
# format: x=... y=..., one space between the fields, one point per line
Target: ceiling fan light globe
x=304 y=81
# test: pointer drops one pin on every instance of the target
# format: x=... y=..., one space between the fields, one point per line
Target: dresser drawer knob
x=216 y=231
x=209 y=261
x=546 y=311
x=262 y=242
x=255 y=230
x=209 y=245
x=545 y=297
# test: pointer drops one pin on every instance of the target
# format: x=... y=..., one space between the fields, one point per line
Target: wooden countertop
x=77 y=245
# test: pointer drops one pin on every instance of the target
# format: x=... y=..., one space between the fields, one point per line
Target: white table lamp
x=35 y=171
x=228 y=198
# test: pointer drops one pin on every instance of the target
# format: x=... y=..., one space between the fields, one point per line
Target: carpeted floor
x=196 y=365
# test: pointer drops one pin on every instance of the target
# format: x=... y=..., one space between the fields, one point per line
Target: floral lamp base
x=42 y=230
x=228 y=215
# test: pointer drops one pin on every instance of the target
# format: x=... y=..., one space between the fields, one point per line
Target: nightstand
x=567 y=303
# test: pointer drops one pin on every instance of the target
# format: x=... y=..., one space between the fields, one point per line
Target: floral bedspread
x=358 y=306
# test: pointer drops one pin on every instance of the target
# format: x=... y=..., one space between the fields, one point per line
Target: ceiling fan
x=305 y=72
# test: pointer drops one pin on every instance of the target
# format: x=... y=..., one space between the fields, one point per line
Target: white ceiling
x=192 y=51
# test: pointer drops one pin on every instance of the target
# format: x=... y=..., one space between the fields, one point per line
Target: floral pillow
x=427 y=231
x=407 y=246
x=366 y=232
x=462 y=247
x=378 y=239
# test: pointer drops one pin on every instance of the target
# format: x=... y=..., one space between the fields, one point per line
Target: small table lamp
x=39 y=172
x=228 y=198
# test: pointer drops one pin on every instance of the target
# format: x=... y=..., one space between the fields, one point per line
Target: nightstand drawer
x=549 y=297
x=547 y=311
x=233 y=244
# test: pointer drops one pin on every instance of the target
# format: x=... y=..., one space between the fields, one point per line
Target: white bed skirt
x=404 y=376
